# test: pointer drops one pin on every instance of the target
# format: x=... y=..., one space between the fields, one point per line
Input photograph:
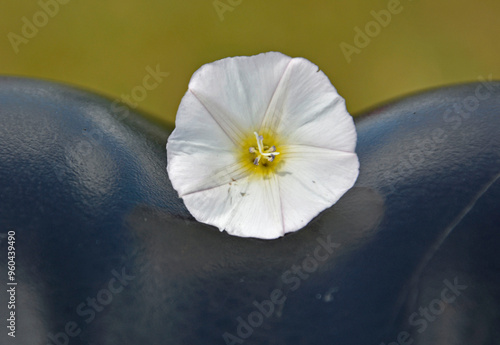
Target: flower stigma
x=260 y=153
x=267 y=152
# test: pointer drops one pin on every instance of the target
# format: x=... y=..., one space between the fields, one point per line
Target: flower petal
x=306 y=109
x=311 y=180
x=246 y=208
x=237 y=91
x=200 y=156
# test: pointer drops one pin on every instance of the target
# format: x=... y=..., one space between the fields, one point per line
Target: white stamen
x=266 y=151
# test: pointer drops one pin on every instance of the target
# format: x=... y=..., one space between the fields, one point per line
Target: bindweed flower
x=262 y=145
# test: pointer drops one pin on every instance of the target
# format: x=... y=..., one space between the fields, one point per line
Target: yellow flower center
x=260 y=153
x=265 y=152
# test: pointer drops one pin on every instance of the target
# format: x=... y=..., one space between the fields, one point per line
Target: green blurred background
x=105 y=46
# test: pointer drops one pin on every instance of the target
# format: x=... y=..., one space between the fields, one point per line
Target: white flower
x=262 y=144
